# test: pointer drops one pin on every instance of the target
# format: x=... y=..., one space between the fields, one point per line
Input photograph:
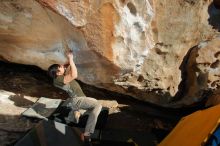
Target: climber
x=64 y=78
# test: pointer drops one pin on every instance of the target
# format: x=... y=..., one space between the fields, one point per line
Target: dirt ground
x=144 y=123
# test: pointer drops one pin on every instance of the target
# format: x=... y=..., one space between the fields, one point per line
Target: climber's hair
x=52 y=70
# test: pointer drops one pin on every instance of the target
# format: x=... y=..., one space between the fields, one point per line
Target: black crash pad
x=50 y=133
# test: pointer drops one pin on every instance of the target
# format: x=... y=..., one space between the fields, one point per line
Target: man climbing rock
x=64 y=78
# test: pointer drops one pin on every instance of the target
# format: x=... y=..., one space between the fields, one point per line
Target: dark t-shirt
x=72 y=88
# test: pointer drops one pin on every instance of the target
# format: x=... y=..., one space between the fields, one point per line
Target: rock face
x=201 y=72
x=128 y=46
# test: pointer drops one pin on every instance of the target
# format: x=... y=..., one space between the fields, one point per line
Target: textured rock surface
x=129 y=46
x=202 y=70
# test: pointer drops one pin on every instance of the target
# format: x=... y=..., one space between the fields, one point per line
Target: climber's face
x=60 y=70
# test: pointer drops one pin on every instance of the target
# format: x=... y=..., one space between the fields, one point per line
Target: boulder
x=132 y=47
